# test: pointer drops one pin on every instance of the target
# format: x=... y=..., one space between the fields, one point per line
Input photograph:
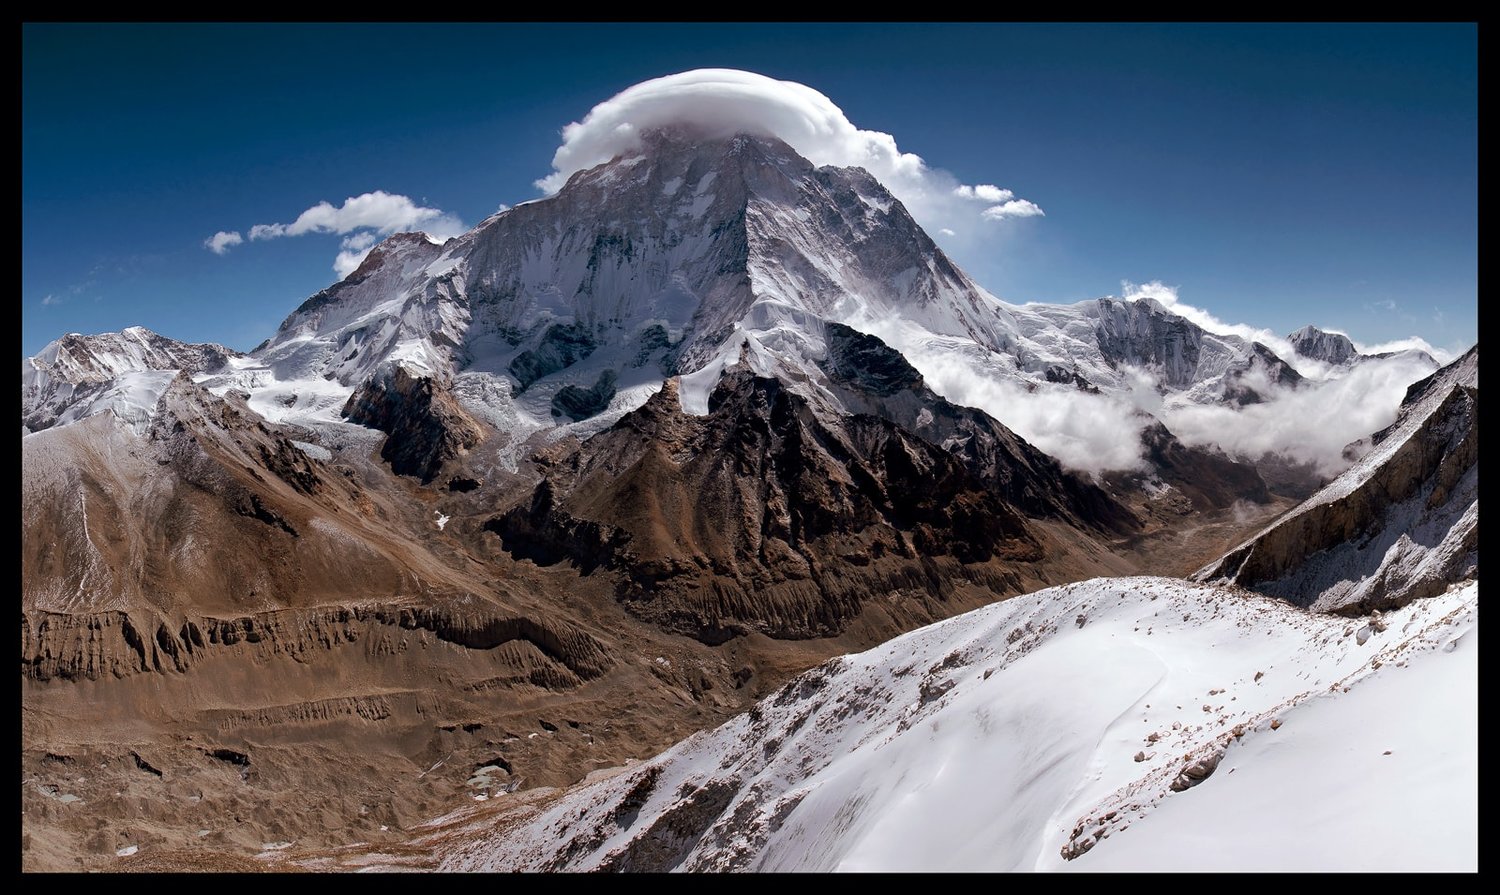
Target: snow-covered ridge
x=1083 y=726
x=77 y=375
x=1399 y=523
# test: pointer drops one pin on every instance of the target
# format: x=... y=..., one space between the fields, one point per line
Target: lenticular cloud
x=723 y=102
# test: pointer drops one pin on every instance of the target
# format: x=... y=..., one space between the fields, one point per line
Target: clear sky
x=1276 y=174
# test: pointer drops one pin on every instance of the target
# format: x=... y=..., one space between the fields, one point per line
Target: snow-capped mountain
x=77 y=376
x=678 y=247
x=559 y=315
x=1331 y=348
x=678 y=255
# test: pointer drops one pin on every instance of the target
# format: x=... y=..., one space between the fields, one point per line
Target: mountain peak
x=1333 y=348
x=77 y=368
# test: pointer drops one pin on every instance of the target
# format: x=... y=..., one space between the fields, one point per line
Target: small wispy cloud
x=362 y=220
x=379 y=211
x=221 y=242
x=946 y=232
x=52 y=299
x=1385 y=305
x=1015 y=208
x=984 y=192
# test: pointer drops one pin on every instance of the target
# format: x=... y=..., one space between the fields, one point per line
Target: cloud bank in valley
x=1098 y=433
x=362 y=220
x=1087 y=432
x=1311 y=424
x=723 y=102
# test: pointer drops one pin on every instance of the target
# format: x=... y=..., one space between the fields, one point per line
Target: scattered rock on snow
x=1195 y=772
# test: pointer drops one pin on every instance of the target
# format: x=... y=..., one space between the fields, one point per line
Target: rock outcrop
x=424 y=424
x=91 y=646
x=762 y=517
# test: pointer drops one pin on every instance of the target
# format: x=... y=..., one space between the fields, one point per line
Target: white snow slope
x=1006 y=738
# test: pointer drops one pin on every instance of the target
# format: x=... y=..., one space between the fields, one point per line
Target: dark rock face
x=424 y=425
x=876 y=379
x=1061 y=374
x=1209 y=478
x=760 y=517
x=1333 y=348
x=653 y=338
x=581 y=403
x=1143 y=334
x=562 y=345
x=867 y=363
x=463 y=484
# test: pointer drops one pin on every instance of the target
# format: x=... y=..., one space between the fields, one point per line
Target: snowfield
x=1073 y=728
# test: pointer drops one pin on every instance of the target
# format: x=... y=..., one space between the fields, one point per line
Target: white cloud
x=1087 y=432
x=383 y=212
x=724 y=102
x=984 y=192
x=1096 y=433
x=1415 y=343
x=363 y=220
x=51 y=299
x=220 y=242
x=1312 y=423
x=359 y=241
x=1015 y=208
x=947 y=232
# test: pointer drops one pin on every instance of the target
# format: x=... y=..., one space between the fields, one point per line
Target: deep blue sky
x=1277 y=174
